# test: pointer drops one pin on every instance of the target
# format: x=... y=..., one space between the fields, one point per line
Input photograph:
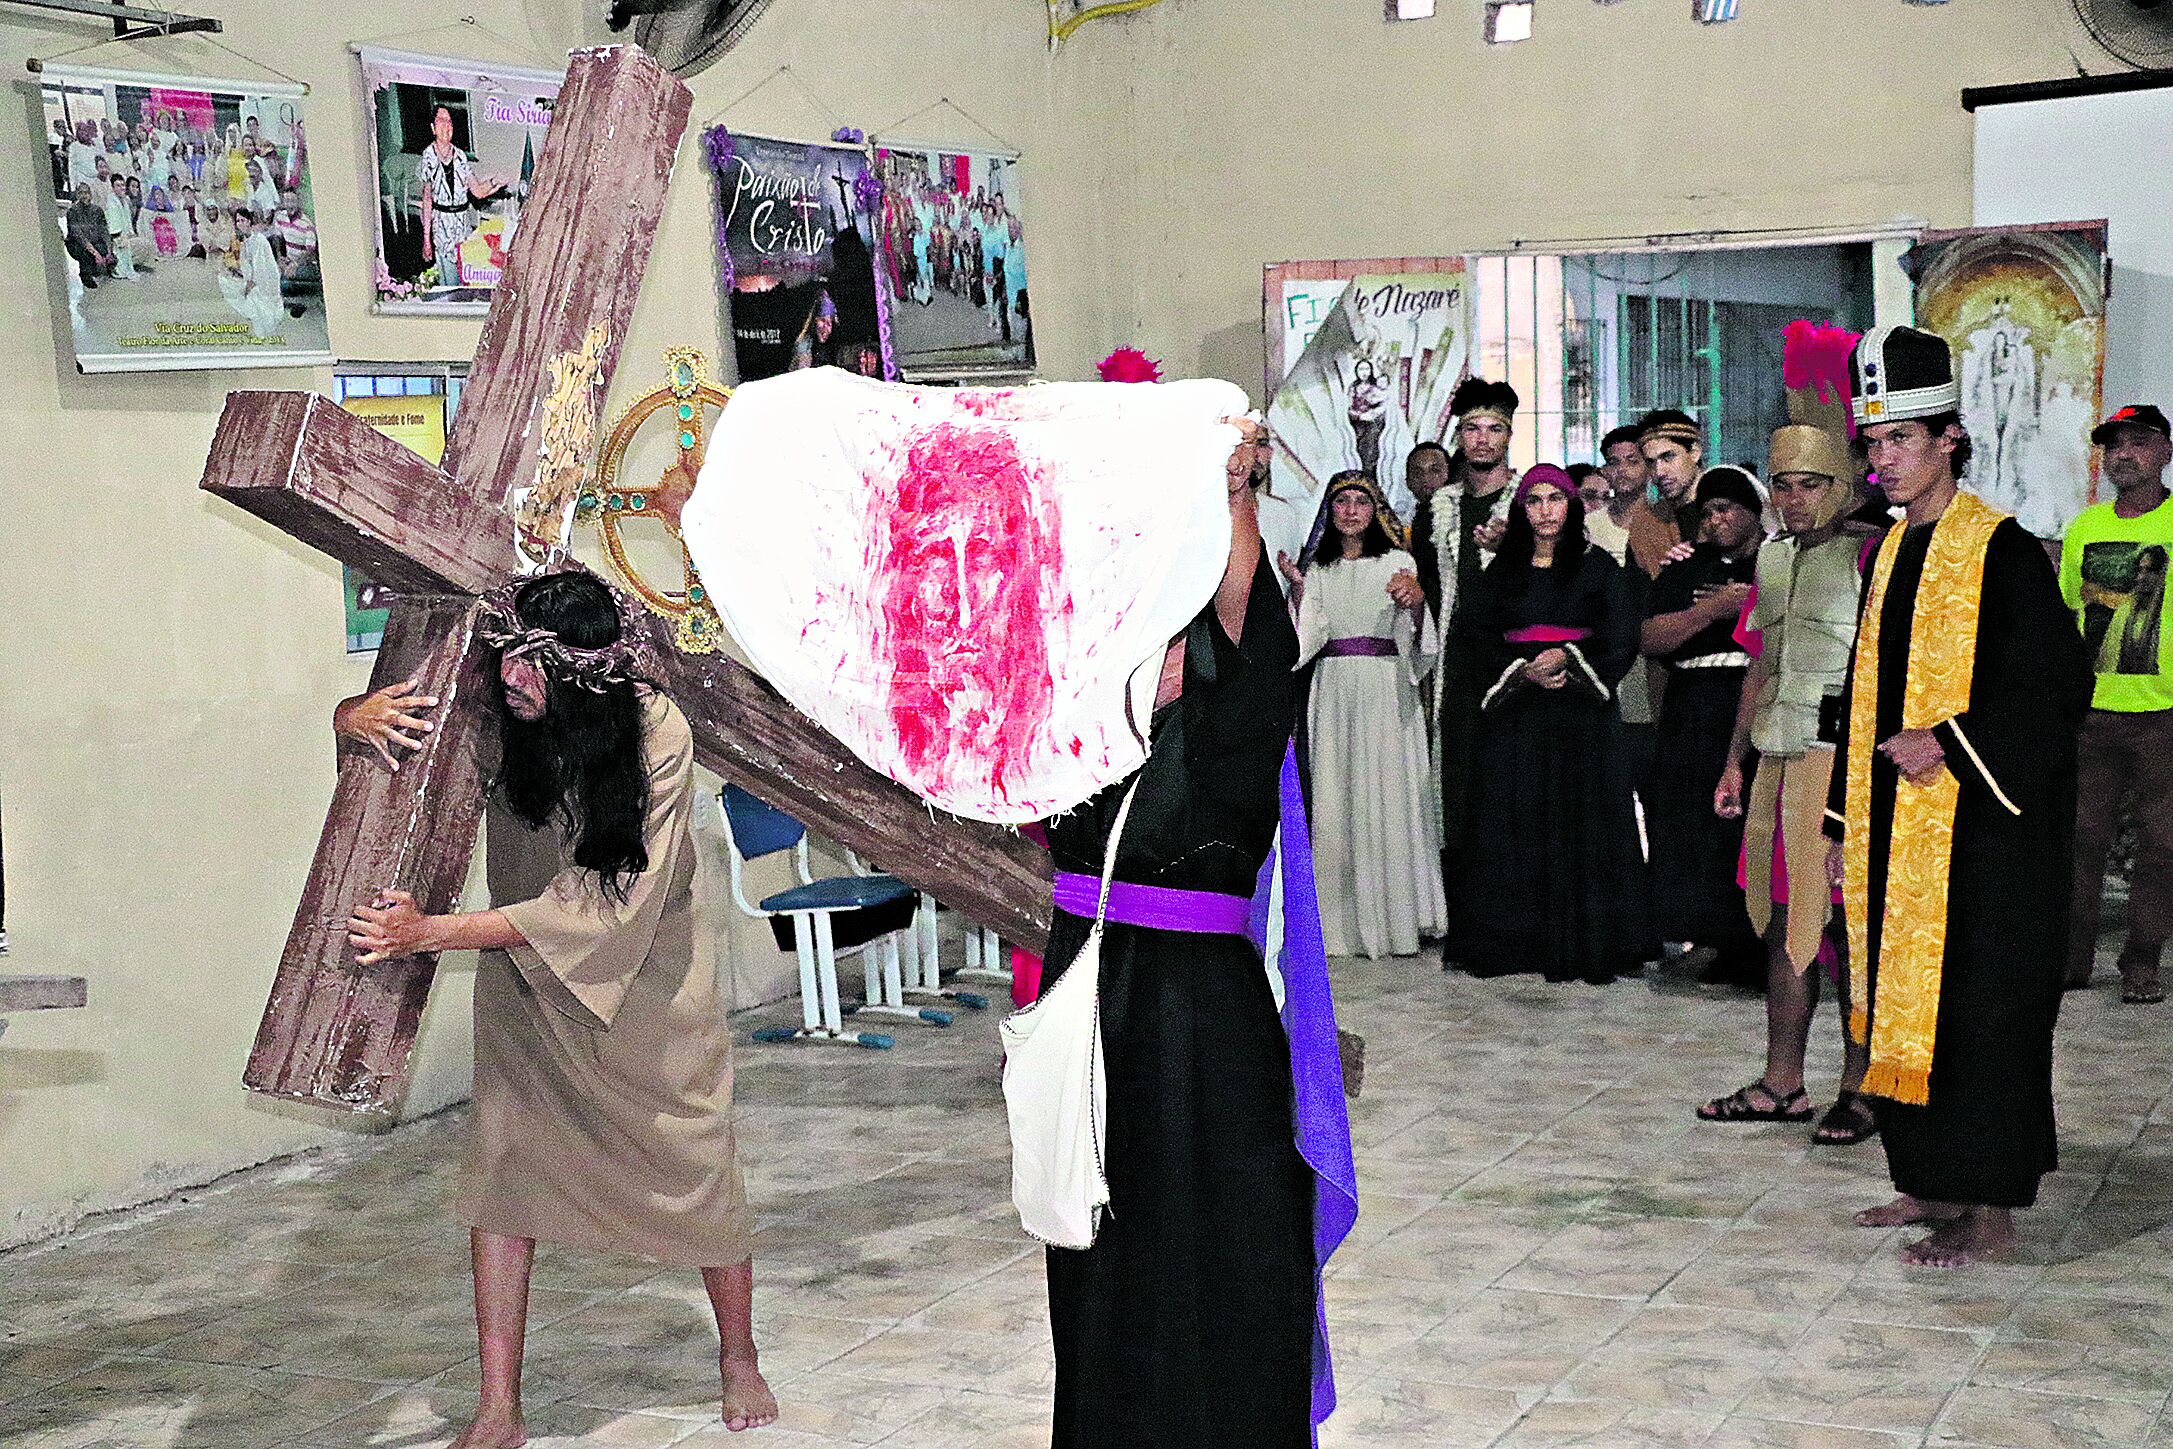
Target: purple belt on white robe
x=1360 y=647
x=1320 y=1117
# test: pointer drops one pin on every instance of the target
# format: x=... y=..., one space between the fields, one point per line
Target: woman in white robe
x=1376 y=837
x=253 y=289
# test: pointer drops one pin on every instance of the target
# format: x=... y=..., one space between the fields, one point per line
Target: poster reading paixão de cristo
x=183 y=234
x=455 y=144
x=796 y=251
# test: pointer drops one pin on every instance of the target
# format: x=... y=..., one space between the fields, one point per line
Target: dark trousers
x=2118 y=753
x=88 y=263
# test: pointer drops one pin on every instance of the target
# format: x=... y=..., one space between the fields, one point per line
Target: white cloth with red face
x=972 y=588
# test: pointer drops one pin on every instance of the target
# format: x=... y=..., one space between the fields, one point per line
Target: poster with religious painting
x=454 y=145
x=1371 y=381
x=796 y=249
x=2024 y=310
x=954 y=264
x=181 y=226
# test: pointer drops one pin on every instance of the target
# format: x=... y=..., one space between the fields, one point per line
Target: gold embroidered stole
x=1903 y=1022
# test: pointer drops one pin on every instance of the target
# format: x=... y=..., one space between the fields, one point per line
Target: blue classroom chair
x=821 y=920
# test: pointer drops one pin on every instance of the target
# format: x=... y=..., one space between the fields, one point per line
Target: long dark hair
x=1519 y=543
x=581 y=764
x=1372 y=543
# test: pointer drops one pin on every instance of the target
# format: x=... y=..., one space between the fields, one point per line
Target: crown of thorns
x=499 y=625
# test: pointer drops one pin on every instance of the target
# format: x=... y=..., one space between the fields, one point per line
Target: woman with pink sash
x=1553 y=880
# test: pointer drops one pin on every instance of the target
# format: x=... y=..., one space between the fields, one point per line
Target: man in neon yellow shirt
x=2113 y=575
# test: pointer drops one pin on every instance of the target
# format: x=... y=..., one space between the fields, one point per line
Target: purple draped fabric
x=1316 y=1060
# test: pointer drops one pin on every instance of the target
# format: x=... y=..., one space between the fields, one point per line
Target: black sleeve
x=1241 y=699
x=1426 y=555
x=1479 y=628
x=1671 y=591
x=1615 y=631
x=2029 y=685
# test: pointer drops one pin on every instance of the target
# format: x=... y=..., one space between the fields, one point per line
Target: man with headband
x=1802 y=621
x=1952 y=810
x=1469 y=517
x=1689 y=633
x=1674 y=452
x=603 y=1069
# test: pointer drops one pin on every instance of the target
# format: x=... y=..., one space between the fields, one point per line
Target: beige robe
x=603 y=1065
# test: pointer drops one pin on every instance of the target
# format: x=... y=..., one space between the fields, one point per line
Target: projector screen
x=2081 y=158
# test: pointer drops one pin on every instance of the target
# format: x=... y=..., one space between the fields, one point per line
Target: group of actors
x=134 y=200
x=603 y=1070
x=1924 y=760
x=1570 y=720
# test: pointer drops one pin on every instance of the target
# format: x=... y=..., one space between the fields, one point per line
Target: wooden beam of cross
x=340 y=1035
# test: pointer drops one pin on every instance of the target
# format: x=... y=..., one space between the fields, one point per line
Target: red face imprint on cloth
x=964 y=544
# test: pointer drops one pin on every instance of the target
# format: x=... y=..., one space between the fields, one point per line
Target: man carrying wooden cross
x=603 y=1066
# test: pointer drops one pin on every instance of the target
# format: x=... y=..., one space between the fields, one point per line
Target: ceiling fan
x=685 y=36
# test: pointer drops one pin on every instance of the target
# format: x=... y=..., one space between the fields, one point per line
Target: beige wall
x=166 y=664
x=1276 y=130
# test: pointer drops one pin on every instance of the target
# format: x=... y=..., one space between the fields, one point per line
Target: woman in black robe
x=1691 y=616
x=1552 y=880
x=1189 y=1323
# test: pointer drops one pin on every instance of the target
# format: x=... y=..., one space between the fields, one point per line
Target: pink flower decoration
x=1129 y=364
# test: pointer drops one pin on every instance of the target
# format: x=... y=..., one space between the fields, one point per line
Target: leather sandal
x=1739 y=1106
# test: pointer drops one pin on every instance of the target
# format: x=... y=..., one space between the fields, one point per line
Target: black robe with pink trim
x=1986 y=1136
x=1551 y=877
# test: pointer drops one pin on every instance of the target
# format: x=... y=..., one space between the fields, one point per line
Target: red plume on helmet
x=1129 y=364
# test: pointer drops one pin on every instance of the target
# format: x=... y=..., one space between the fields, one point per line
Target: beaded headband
x=499 y=625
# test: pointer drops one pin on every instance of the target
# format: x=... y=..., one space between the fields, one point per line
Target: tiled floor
x=1551 y=1252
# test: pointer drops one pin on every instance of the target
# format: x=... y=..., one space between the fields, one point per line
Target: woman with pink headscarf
x=1551 y=878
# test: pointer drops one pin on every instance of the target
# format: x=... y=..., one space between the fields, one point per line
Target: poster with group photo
x=796 y=249
x=954 y=265
x=184 y=235
x=456 y=144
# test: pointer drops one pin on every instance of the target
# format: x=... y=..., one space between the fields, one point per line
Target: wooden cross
x=38 y=993
x=340 y=1035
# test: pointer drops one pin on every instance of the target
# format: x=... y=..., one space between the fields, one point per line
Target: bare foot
x=748 y=1402
x=493 y=1429
x=1905 y=1209
x=1978 y=1235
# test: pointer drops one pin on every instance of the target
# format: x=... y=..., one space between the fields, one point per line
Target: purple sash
x=1322 y=1120
x=1157 y=907
x=1360 y=648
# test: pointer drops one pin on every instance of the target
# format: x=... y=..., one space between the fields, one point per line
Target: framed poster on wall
x=413 y=407
x=2023 y=307
x=1362 y=359
x=954 y=264
x=796 y=251
x=181 y=224
x=454 y=145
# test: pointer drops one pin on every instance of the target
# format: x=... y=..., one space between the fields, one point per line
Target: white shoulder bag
x=1056 y=1089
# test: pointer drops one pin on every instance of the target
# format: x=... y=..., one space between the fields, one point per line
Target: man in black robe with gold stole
x=1952 y=809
